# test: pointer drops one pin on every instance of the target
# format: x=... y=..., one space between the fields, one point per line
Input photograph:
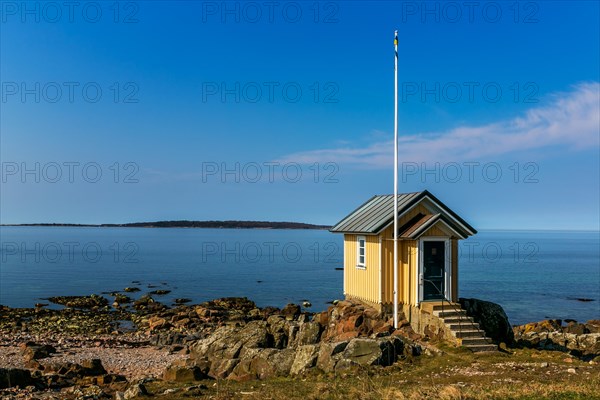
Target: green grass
x=456 y=375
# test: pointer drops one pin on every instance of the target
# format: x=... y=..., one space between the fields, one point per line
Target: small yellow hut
x=428 y=235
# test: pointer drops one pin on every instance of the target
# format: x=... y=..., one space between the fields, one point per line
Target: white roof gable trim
x=441 y=209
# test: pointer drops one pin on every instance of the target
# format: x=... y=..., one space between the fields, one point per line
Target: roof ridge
x=400 y=194
x=377 y=212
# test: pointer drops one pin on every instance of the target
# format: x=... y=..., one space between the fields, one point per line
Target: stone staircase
x=466 y=331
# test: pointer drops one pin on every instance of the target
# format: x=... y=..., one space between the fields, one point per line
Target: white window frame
x=447 y=266
x=358 y=264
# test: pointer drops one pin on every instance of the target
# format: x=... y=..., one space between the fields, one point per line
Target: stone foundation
x=422 y=322
x=427 y=324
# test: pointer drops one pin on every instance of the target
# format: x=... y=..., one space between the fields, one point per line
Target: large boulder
x=350 y=319
x=308 y=333
x=547 y=325
x=491 y=318
x=264 y=364
x=291 y=311
x=585 y=346
x=593 y=326
x=282 y=360
x=374 y=351
x=576 y=328
x=33 y=351
x=363 y=351
x=278 y=328
x=256 y=364
x=589 y=344
x=291 y=344
x=329 y=355
x=228 y=342
x=236 y=352
x=136 y=390
x=306 y=358
x=221 y=368
x=82 y=302
x=183 y=371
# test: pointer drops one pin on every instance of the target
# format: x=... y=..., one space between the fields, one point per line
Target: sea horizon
x=552 y=267
x=325 y=226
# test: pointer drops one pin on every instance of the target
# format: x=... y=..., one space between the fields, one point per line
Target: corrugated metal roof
x=377 y=212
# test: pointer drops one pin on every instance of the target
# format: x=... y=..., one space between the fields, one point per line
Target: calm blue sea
x=533 y=274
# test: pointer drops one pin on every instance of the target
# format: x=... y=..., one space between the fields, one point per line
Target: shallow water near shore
x=533 y=274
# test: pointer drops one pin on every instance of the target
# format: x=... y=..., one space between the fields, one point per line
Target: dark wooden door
x=434 y=261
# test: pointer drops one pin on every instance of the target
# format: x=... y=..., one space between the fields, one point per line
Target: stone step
x=446 y=306
x=476 y=341
x=467 y=326
x=450 y=313
x=483 y=347
x=466 y=330
x=456 y=320
x=469 y=333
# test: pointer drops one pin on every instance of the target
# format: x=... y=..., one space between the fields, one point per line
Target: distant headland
x=191 y=224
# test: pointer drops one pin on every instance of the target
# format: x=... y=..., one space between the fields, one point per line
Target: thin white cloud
x=570 y=120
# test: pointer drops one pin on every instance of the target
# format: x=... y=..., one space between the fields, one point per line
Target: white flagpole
x=395 y=291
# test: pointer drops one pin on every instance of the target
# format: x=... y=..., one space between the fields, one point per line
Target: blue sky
x=157 y=110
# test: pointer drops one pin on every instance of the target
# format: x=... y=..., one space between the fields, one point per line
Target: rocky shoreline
x=92 y=349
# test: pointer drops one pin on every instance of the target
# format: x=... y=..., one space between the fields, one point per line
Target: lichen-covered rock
x=225 y=348
x=278 y=328
x=183 y=371
x=280 y=346
x=363 y=351
x=589 y=343
x=283 y=361
x=254 y=365
x=548 y=325
x=552 y=335
x=157 y=323
x=291 y=311
x=329 y=355
x=308 y=333
x=220 y=368
x=134 y=391
x=206 y=347
x=122 y=299
x=87 y=302
x=576 y=328
x=373 y=351
x=306 y=358
x=593 y=325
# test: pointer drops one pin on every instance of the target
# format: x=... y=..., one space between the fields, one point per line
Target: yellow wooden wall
x=406 y=268
x=407 y=262
x=362 y=283
x=365 y=283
